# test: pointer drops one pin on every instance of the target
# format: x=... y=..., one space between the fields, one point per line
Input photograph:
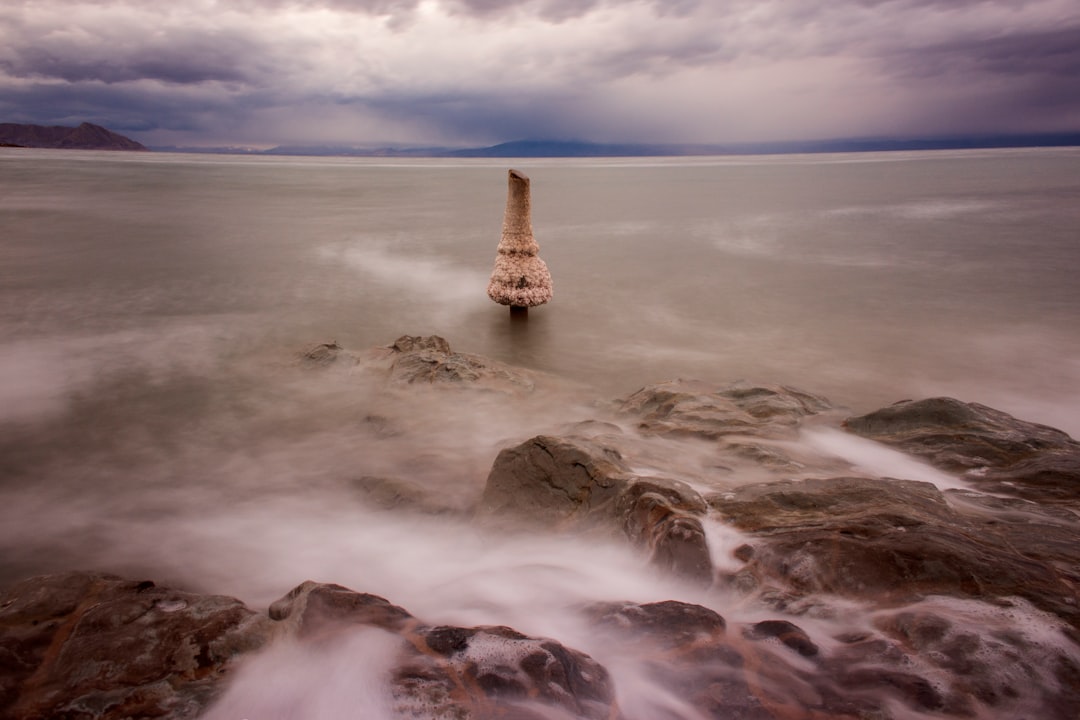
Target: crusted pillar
x=520 y=278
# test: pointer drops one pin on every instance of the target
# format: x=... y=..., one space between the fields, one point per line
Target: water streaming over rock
x=160 y=419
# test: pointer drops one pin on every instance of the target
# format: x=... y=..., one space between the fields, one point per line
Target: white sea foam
x=877 y=459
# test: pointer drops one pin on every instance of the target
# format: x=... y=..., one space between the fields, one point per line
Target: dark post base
x=519 y=313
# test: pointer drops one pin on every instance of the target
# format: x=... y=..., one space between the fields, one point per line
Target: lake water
x=152 y=306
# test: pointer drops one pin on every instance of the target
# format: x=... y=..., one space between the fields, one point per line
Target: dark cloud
x=491 y=70
x=1050 y=53
x=196 y=62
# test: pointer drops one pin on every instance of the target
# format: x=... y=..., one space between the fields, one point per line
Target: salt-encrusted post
x=520 y=278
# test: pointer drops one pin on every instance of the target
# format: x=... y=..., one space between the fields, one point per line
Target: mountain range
x=579 y=148
x=86 y=136
x=94 y=137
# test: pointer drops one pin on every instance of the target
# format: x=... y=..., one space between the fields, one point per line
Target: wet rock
x=690 y=407
x=1010 y=665
x=313 y=608
x=667 y=624
x=445 y=671
x=578 y=484
x=91 y=646
x=86 y=645
x=887 y=540
x=687 y=650
x=993 y=449
x=683 y=648
x=497 y=672
x=786 y=632
x=1044 y=532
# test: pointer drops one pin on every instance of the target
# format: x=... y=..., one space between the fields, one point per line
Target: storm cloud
x=370 y=72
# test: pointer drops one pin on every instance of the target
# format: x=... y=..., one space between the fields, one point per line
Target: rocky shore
x=870 y=596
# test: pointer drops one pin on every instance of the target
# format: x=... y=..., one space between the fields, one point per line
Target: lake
x=153 y=306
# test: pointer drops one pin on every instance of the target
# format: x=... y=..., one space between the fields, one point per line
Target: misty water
x=156 y=421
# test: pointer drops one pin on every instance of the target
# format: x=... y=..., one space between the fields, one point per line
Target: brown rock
x=690 y=407
x=85 y=645
x=578 y=484
x=994 y=450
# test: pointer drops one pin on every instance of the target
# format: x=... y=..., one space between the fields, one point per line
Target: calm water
x=151 y=308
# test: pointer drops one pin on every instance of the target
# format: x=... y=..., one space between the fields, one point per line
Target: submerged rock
x=430 y=360
x=690 y=407
x=423 y=360
x=993 y=449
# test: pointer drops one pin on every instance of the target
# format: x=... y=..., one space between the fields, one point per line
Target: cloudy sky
x=474 y=72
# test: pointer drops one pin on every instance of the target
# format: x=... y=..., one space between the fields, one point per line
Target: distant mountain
x=84 y=137
x=580 y=148
x=575 y=148
x=564 y=148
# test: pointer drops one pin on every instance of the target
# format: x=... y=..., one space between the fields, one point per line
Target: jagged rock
x=762 y=675
x=574 y=483
x=86 y=645
x=936 y=665
x=788 y=633
x=313 y=608
x=668 y=624
x=490 y=672
x=993 y=449
x=684 y=649
x=690 y=407
x=98 y=647
x=888 y=540
x=445 y=672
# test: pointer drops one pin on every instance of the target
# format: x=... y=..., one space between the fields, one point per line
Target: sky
x=372 y=73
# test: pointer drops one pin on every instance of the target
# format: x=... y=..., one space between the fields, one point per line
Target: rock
x=994 y=669
x=668 y=624
x=498 y=672
x=891 y=541
x=686 y=650
x=314 y=608
x=86 y=645
x=430 y=360
x=995 y=451
x=689 y=407
x=416 y=360
x=579 y=484
x=446 y=671
x=92 y=646
x=786 y=632
x=328 y=354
